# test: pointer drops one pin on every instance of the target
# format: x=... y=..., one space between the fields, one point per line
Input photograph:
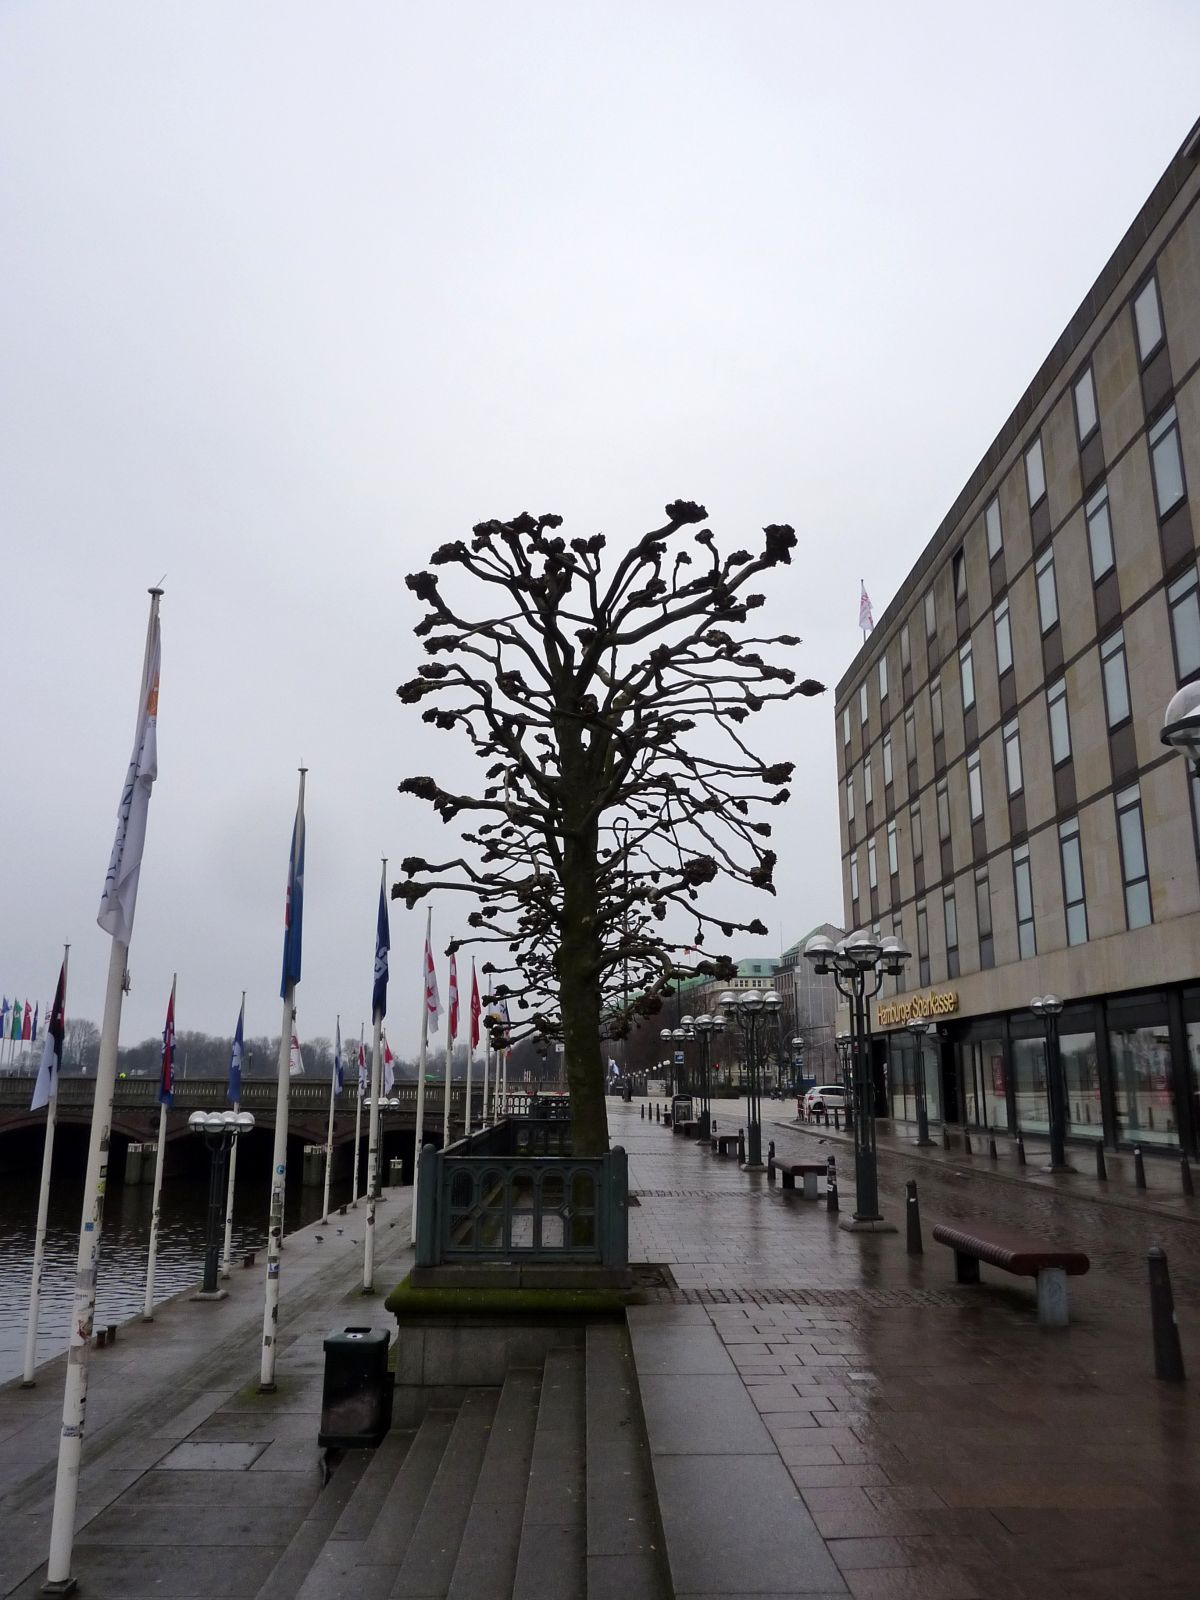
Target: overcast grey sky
x=291 y=293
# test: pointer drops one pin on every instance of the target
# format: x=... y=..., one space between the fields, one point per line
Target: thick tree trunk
x=578 y=964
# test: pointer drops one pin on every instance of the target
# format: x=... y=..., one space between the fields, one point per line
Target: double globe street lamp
x=754 y=1010
x=219 y=1130
x=919 y=1027
x=1048 y=1007
x=859 y=965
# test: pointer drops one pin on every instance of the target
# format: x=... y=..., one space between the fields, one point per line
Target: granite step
x=625 y=1556
x=553 y=1554
x=402 y=1507
x=491 y=1540
x=429 y=1561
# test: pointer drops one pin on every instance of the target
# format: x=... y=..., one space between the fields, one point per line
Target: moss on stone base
x=405 y=1301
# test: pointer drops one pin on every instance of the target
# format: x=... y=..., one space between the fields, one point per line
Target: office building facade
x=1007 y=807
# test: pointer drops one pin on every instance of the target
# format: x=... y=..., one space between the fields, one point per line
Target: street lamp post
x=859 y=965
x=1181 y=724
x=1048 y=1007
x=751 y=1008
x=706 y=1025
x=219 y=1129
x=919 y=1027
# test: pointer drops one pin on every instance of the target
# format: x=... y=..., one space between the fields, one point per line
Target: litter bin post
x=356 y=1402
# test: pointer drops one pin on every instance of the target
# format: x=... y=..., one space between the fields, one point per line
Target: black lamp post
x=751 y=1009
x=859 y=965
x=919 y=1027
x=1048 y=1007
x=706 y=1025
x=219 y=1129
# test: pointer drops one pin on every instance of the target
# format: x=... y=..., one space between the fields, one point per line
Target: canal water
x=121 y=1288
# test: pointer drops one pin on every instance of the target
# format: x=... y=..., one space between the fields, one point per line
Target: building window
x=995 y=533
x=910 y=736
x=892 y=850
x=1072 y=871
x=1086 y=416
x=845 y=724
x=1166 y=461
x=1148 y=319
x=1035 y=472
x=943 y=810
x=862 y=705
x=1060 y=725
x=1099 y=526
x=983 y=917
x=930 y=615
x=951 y=913
x=966 y=665
x=1133 y=858
x=905 y=648
x=975 y=786
x=935 y=707
x=1004 y=654
x=872 y=868
x=868 y=783
x=854 y=876
x=1116 y=678
x=960 y=577
x=1011 y=735
x=850 y=798
x=887 y=759
x=1046 y=591
x=882 y=678
x=914 y=830
x=1183 y=598
x=922 y=943
x=1023 y=886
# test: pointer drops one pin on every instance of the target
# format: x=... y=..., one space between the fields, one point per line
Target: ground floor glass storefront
x=1131 y=1070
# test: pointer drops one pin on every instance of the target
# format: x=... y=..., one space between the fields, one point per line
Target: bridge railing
x=499 y=1196
x=257 y=1094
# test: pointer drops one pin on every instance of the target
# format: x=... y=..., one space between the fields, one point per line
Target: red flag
x=166 y=1082
x=27 y=1024
x=475 y=1007
x=453 y=998
x=433 y=1001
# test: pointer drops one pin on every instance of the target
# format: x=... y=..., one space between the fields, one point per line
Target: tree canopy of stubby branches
x=607 y=701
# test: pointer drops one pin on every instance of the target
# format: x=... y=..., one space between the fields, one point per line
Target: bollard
x=831 y=1195
x=945 y=1137
x=837 y=1119
x=642 y=1109
x=1139 y=1168
x=992 y=1147
x=657 y=1112
x=741 y=1147
x=1185 y=1176
x=967 y=1141
x=1101 y=1168
x=912 y=1213
x=771 y=1162
x=1168 y=1353
x=1020 y=1150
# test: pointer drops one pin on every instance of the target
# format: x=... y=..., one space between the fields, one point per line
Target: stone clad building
x=1006 y=805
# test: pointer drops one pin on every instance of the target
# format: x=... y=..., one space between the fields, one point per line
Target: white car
x=824 y=1097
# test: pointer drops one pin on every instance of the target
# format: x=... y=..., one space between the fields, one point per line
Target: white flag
x=865 y=620
x=119 y=899
x=389 y=1067
x=433 y=1000
x=295 y=1059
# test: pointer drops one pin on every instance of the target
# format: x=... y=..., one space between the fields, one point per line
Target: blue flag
x=234 y=1091
x=383 y=940
x=293 y=915
x=339 y=1080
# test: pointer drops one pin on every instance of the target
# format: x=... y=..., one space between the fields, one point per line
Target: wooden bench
x=725 y=1144
x=807 y=1171
x=1025 y=1258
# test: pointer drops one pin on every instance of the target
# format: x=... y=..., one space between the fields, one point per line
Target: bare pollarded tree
x=608 y=707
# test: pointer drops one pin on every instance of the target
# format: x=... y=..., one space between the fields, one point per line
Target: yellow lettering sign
x=899 y=1012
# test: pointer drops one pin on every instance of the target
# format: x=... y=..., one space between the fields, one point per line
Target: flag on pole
x=453 y=1021
x=433 y=1000
x=33 y=1031
x=52 y=1049
x=119 y=898
x=295 y=1059
x=27 y=1023
x=362 y=1069
x=16 y=1022
x=4 y=1010
x=166 y=1082
x=233 y=1092
x=339 y=1076
x=383 y=940
x=865 y=620
x=293 y=911
x=474 y=1006
x=507 y=1027
x=389 y=1066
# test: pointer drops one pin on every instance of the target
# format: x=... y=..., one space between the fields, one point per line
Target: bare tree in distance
x=608 y=707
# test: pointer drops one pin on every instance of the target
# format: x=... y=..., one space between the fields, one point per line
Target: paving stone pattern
x=940 y=1443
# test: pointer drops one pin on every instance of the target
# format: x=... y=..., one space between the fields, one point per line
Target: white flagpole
x=449 y=1077
x=329 y=1136
x=160 y=1149
x=70 y=1445
x=504 y=1091
x=487 y=1061
x=470 y=1054
x=420 y=1128
x=227 y=1252
x=357 y=1117
x=39 y=1238
x=368 y=1285
x=270 y=1333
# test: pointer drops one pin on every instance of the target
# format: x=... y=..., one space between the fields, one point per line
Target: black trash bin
x=356 y=1403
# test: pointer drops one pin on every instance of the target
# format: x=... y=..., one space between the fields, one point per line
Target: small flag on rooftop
x=865 y=620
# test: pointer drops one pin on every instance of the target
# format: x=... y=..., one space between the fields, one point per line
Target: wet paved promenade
x=943 y=1444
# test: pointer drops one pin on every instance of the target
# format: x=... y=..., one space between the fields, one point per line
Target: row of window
x=1166 y=459
x=1135 y=879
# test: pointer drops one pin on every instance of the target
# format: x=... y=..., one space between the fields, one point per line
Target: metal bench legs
x=966 y=1268
x=1052 y=1298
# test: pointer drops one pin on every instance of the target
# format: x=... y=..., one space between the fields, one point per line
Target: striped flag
x=453 y=1022
x=475 y=1008
x=166 y=1082
x=233 y=1092
x=52 y=1049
